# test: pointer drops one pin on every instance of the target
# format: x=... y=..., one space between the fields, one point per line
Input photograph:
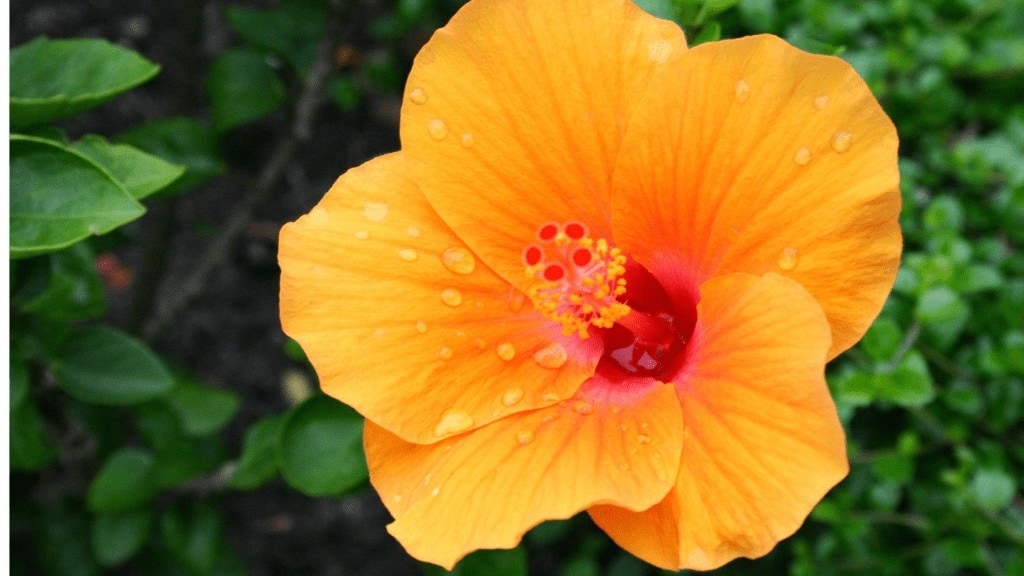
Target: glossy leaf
x=201 y=409
x=258 y=462
x=242 y=88
x=321 y=448
x=59 y=197
x=101 y=365
x=124 y=482
x=183 y=141
x=71 y=286
x=52 y=79
x=140 y=173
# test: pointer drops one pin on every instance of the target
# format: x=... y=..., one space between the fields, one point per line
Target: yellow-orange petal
x=762 y=443
x=405 y=324
x=484 y=489
x=752 y=156
x=514 y=113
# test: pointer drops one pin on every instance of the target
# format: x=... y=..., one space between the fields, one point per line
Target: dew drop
x=583 y=408
x=375 y=211
x=408 y=254
x=451 y=297
x=524 y=437
x=512 y=396
x=821 y=102
x=435 y=491
x=742 y=91
x=452 y=423
x=506 y=351
x=788 y=258
x=396 y=498
x=802 y=156
x=361 y=234
x=659 y=51
x=551 y=356
x=549 y=418
x=841 y=141
x=438 y=129
x=421 y=326
x=467 y=140
x=458 y=260
x=550 y=397
x=516 y=299
x=446 y=353
x=412 y=232
x=643 y=438
x=319 y=215
x=418 y=96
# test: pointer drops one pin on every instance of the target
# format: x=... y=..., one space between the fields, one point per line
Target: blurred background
x=226 y=460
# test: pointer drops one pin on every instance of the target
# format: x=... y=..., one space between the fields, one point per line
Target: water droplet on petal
x=643 y=438
x=408 y=254
x=506 y=351
x=516 y=300
x=841 y=141
x=451 y=297
x=788 y=258
x=421 y=326
x=319 y=215
x=458 y=260
x=820 y=102
x=802 y=156
x=446 y=353
x=467 y=140
x=550 y=397
x=583 y=408
x=551 y=356
x=452 y=423
x=512 y=396
x=418 y=96
x=435 y=491
x=375 y=211
x=742 y=91
x=412 y=232
x=438 y=129
x=361 y=234
x=659 y=51
x=524 y=437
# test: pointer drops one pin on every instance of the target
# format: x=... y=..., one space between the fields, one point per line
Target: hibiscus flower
x=604 y=273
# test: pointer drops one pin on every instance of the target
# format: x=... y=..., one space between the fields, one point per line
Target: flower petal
x=762 y=440
x=484 y=489
x=750 y=155
x=514 y=113
x=405 y=324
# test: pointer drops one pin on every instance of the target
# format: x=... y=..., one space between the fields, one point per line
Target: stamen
x=577 y=280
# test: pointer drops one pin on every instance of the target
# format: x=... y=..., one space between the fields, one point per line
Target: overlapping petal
x=405 y=324
x=762 y=440
x=614 y=443
x=517 y=109
x=750 y=155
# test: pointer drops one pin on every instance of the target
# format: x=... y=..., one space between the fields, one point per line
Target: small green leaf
x=59 y=197
x=258 y=462
x=125 y=481
x=201 y=409
x=116 y=537
x=140 y=173
x=183 y=141
x=192 y=533
x=52 y=79
x=101 y=365
x=940 y=304
x=321 y=448
x=19 y=383
x=993 y=489
x=882 y=339
x=242 y=88
x=910 y=384
x=291 y=31
x=73 y=290
x=710 y=32
x=29 y=445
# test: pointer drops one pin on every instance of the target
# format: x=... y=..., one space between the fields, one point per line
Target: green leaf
x=291 y=31
x=910 y=384
x=183 y=141
x=61 y=537
x=19 y=383
x=116 y=537
x=140 y=173
x=192 y=533
x=52 y=79
x=73 y=290
x=993 y=489
x=201 y=409
x=125 y=481
x=242 y=88
x=258 y=462
x=710 y=32
x=30 y=448
x=59 y=197
x=101 y=365
x=321 y=448
x=486 y=563
x=941 y=304
x=882 y=339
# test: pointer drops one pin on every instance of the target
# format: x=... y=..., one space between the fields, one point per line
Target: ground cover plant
x=161 y=422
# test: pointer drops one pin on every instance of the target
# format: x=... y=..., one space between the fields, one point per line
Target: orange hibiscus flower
x=604 y=273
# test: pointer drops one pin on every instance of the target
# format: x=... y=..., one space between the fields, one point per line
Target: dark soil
x=231 y=336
